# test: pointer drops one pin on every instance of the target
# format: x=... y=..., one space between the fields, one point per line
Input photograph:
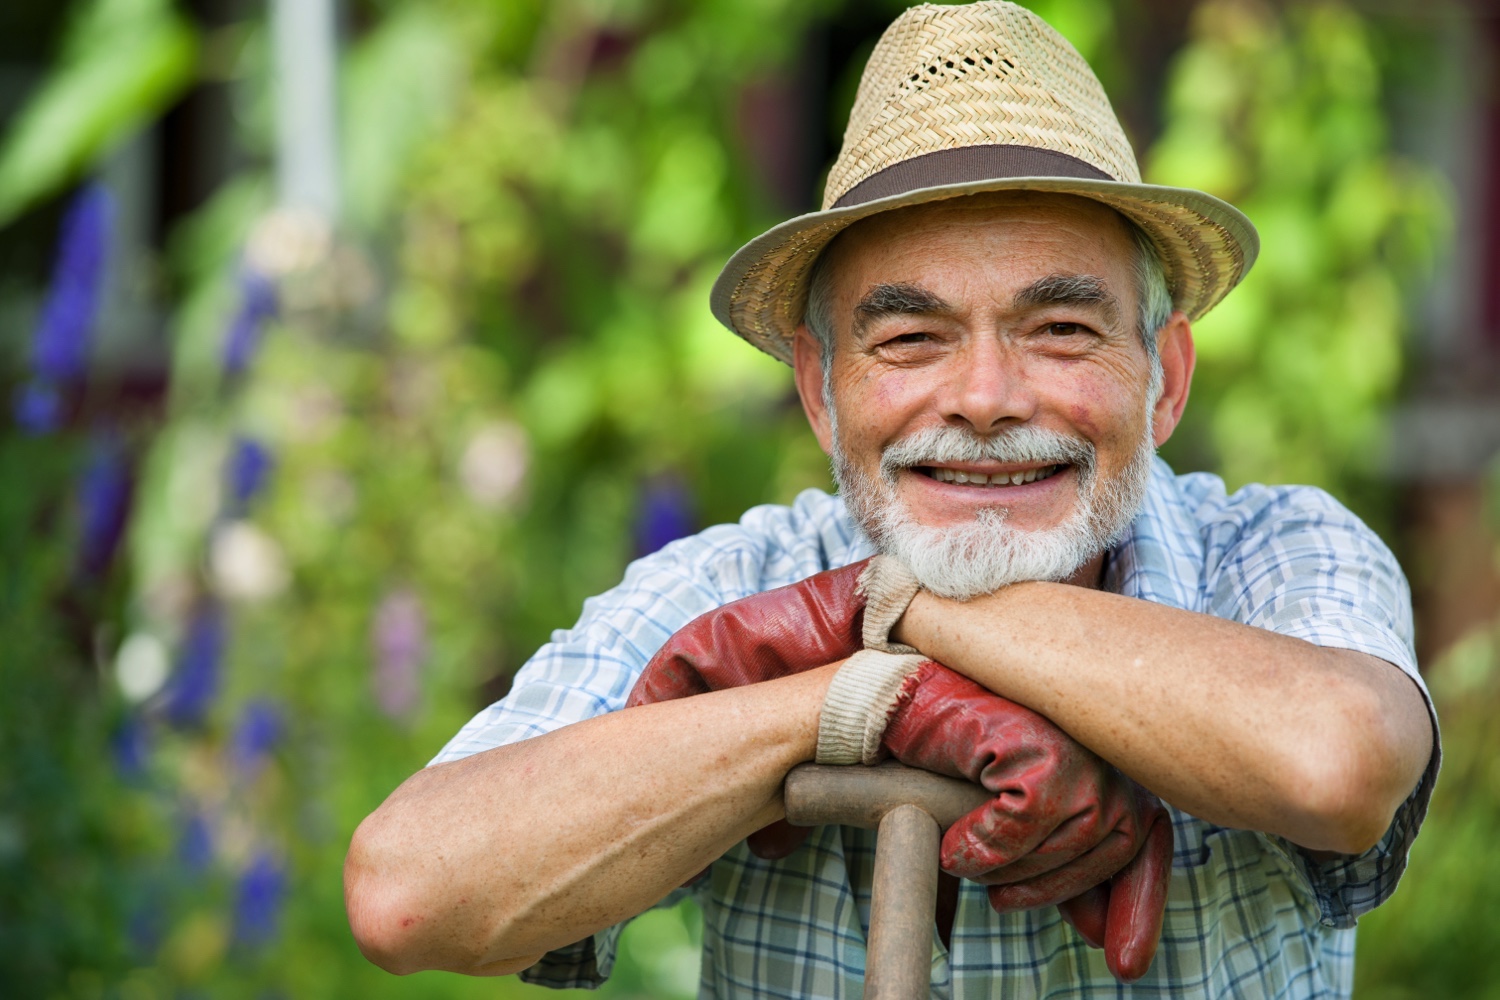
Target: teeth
x=999 y=479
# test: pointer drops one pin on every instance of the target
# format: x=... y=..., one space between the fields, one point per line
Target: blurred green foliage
x=123 y=63
x=465 y=397
x=1282 y=116
x=1435 y=937
x=471 y=399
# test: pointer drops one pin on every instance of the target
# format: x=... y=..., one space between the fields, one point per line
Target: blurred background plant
x=1434 y=937
x=311 y=445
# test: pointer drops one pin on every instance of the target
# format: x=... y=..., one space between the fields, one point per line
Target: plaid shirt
x=1248 y=915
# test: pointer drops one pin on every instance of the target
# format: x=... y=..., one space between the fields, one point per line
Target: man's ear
x=1175 y=345
x=807 y=368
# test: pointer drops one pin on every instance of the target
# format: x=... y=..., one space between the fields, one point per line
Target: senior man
x=989 y=326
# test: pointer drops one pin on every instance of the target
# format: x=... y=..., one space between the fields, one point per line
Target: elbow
x=1344 y=821
x=383 y=928
x=1348 y=791
x=392 y=917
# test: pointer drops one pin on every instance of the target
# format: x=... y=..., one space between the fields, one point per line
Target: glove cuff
x=889 y=586
x=859 y=704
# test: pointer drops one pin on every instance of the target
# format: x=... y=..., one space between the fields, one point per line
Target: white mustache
x=939 y=445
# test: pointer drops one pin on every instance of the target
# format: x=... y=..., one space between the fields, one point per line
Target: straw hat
x=961 y=100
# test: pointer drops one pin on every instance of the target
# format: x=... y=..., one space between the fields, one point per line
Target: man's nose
x=988 y=387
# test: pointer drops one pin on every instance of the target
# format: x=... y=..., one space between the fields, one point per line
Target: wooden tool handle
x=818 y=794
x=910 y=808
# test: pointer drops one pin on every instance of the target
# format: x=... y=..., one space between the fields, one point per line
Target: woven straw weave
x=988 y=73
x=985 y=74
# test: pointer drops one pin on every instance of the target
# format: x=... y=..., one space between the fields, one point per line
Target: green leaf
x=399 y=88
x=123 y=62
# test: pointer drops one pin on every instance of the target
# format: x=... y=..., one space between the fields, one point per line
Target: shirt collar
x=1161 y=557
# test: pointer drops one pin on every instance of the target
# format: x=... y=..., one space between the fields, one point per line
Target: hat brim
x=1207 y=246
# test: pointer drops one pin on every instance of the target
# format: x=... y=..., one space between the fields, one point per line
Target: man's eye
x=911 y=338
x=1064 y=329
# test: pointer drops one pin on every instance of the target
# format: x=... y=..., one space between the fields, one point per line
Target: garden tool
x=909 y=808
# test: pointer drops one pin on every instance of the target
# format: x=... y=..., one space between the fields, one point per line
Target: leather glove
x=765 y=636
x=1064 y=827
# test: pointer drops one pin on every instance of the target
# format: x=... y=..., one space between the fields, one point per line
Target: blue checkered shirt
x=1248 y=915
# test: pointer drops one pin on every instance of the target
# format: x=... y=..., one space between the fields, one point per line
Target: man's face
x=990 y=418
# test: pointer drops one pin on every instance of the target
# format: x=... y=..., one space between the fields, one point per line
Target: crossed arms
x=482 y=865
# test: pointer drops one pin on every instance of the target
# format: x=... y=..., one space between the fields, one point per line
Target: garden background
x=345 y=348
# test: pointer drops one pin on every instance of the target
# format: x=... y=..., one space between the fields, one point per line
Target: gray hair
x=1153 y=297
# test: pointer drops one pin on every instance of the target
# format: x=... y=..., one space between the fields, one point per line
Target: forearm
x=1234 y=724
x=484 y=864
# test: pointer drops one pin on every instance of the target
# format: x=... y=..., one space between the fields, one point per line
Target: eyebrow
x=897 y=299
x=1068 y=290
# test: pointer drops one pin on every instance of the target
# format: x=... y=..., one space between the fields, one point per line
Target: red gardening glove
x=1063 y=824
x=759 y=638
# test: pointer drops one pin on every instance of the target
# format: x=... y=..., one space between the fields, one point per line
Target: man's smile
x=1035 y=496
x=988 y=476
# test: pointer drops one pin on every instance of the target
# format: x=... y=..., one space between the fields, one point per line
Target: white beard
x=986 y=554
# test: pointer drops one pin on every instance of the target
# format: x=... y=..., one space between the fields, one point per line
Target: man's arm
x=1237 y=725
x=483 y=865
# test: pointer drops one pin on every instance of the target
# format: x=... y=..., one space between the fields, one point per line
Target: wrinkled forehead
x=1066 y=226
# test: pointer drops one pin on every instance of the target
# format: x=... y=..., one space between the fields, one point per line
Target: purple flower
x=39 y=407
x=195 y=844
x=255 y=735
x=61 y=344
x=399 y=635
x=258 y=898
x=130 y=745
x=191 y=689
x=257 y=304
x=248 y=470
x=104 y=495
x=666 y=514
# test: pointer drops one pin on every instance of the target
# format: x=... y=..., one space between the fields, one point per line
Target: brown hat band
x=966 y=164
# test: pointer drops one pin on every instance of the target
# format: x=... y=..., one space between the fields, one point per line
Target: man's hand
x=759 y=638
x=1062 y=822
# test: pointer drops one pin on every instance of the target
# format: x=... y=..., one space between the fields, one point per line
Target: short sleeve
x=1306 y=567
x=586 y=671
x=589 y=669
x=1346 y=888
